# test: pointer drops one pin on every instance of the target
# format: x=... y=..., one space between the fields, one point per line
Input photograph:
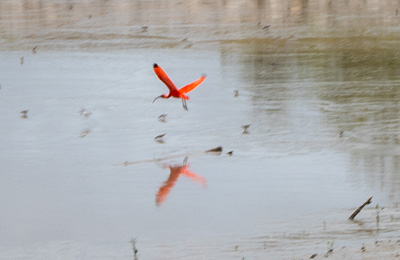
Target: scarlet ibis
x=175 y=172
x=173 y=91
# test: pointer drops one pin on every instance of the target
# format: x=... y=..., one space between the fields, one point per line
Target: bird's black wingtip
x=155 y=65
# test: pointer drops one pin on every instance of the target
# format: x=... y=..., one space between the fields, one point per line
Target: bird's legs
x=185 y=160
x=184 y=104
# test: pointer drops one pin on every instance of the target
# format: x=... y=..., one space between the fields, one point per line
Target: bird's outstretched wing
x=164 y=77
x=191 y=86
x=188 y=173
x=165 y=189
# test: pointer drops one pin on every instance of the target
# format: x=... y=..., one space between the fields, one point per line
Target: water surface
x=318 y=82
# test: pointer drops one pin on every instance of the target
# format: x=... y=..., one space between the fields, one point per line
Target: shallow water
x=317 y=82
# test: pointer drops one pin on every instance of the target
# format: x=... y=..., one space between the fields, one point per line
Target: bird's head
x=162 y=96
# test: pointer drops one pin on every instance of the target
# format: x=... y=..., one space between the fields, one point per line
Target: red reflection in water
x=176 y=171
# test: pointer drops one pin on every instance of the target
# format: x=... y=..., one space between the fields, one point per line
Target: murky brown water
x=318 y=82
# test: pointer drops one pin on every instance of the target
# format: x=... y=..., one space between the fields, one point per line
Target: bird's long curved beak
x=157 y=98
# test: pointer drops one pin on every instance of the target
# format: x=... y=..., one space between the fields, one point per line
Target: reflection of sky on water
x=347 y=101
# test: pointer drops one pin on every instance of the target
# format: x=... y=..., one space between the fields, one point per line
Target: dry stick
x=126 y=163
x=359 y=209
x=133 y=242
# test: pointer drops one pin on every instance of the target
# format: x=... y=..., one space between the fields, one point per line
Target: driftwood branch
x=360 y=208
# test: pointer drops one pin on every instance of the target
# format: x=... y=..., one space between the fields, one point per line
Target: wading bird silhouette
x=176 y=171
x=173 y=91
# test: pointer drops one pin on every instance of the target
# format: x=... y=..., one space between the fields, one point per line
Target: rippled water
x=82 y=174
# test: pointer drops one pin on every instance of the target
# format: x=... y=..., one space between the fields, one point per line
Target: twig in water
x=360 y=208
x=133 y=242
x=378 y=210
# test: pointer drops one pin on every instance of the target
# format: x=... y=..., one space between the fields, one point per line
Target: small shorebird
x=85 y=132
x=84 y=112
x=24 y=114
x=144 y=28
x=162 y=118
x=245 y=127
x=159 y=138
x=217 y=149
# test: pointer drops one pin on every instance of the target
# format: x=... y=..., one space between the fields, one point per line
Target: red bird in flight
x=173 y=91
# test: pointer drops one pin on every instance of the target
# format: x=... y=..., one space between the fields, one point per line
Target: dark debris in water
x=217 y=149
